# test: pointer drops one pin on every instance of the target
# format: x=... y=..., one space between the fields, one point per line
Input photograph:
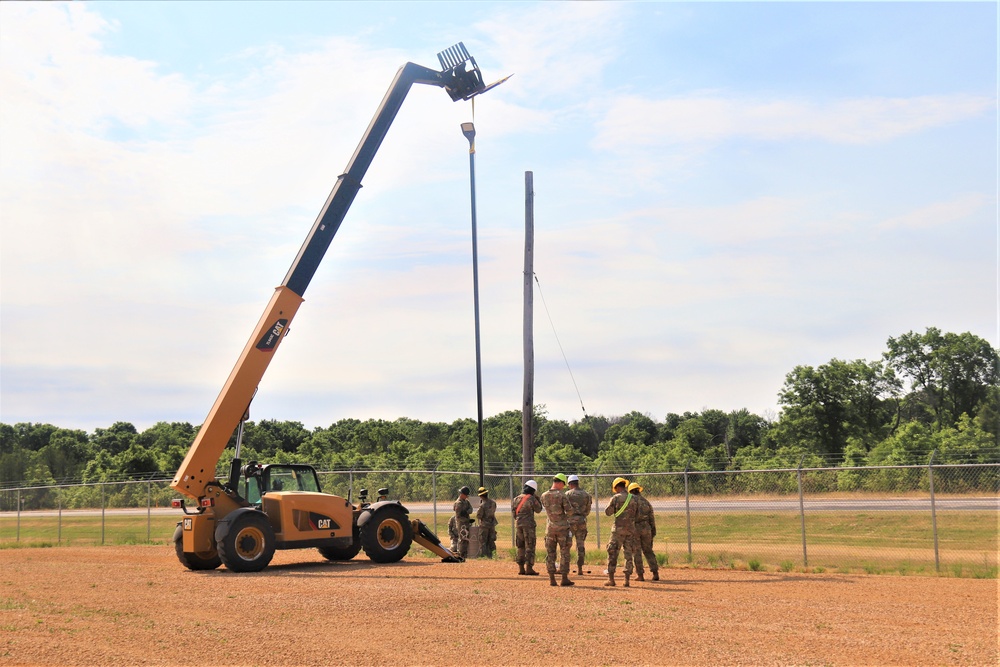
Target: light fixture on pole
x=469 y=130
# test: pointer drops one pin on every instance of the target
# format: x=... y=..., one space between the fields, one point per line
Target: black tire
x=249 y=544
x=387 y=536
x=343 y=553
x=208 y=560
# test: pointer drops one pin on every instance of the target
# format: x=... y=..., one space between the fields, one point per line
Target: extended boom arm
x=198 y=468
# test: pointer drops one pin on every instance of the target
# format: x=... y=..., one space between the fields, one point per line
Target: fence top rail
x=923 y=466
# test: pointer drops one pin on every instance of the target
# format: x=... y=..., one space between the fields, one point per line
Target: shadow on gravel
x=285 y=569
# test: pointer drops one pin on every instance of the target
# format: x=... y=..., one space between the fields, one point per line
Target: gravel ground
x=139 y=606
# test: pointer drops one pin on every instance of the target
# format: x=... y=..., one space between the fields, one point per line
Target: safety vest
x=624 y=505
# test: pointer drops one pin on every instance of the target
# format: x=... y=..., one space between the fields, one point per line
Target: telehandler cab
x=261 y=508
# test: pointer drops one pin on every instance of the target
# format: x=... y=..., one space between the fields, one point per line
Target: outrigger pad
x=423 y=536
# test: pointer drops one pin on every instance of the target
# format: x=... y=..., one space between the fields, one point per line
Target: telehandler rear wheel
x=387 y=536
x=249 y=544
x=345 y=553
x=207 y=560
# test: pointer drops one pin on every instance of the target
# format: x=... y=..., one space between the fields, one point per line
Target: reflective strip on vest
x=622 y=508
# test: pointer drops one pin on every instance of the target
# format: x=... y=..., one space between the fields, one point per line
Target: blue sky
x=722 y=192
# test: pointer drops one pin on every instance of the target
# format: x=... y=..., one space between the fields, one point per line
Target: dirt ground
x=137 y=605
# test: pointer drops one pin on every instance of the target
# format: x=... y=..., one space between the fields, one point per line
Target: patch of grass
x=787 y=566
x=819 y=569
x=754 y=564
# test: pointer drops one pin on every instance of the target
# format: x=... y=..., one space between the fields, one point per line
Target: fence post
x=930 y=479
x=434 y=496
x=597 y=512
x=513 y=524
x=18 y=515
x=687 y=506
x=102 y=514
x=59 y=522
x=802 y=514
x=149 y=511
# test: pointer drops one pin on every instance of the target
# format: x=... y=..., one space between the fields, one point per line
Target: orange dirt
x=138 y=606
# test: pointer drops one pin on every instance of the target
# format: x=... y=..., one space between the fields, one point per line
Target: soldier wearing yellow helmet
x=645 y=531
x=622 y=509
x=557 y=535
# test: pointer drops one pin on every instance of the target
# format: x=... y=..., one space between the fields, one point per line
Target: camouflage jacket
x=581 y=501
x=623 y=509
x=557 y=508
x=643 y=513
x=463 y=510
x=531 y=507
x=486 y=515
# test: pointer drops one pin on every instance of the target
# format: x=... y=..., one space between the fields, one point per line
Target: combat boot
x=566 y=582
x=579 y=569
x=552 y=578
x=520 y=568
x=640 y=575
x=611 y=578
x=530 y=570
x=656 y=575
x=626 y=580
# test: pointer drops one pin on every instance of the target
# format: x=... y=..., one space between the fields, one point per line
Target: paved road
x=697 y=505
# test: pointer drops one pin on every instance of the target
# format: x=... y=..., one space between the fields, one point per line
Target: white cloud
x=634 y=121
x=940 y=214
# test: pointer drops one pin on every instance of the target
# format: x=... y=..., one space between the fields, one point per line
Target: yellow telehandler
x=261 y=508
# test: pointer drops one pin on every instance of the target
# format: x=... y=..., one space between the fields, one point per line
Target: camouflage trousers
x=557 y=537
x=525 y=541
x=487 y=540
x=623 y=541
x=461 y=544
x=578 y=530
x=644 y=547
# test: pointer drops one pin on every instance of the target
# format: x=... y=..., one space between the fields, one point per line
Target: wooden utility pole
x=528 y=406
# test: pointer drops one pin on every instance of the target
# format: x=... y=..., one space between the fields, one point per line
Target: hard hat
x=532 y=484
x=634 y=487
x=464 y=491
x=559 y=477
x=573 y=478
x=482 y=491
x=619 y=480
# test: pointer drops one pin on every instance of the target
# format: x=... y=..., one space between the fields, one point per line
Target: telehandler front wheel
x=249 y=544
x=207 y=560
x=387 y=535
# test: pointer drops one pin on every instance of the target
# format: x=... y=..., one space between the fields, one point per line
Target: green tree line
x=929 y=391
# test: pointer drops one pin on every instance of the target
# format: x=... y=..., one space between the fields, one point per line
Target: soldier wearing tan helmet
x=581 y=502
x=486 y=515
x=645 y=531
x=622 y=509
x=525 y=507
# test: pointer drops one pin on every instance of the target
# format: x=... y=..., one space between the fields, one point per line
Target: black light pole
x=469 y=130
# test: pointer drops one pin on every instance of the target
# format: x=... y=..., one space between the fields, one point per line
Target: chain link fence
x=903 y=519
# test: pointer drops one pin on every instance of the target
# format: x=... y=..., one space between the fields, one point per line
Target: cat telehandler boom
x=240 y=522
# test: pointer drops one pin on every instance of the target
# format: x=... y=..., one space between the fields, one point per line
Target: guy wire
x=559 y=343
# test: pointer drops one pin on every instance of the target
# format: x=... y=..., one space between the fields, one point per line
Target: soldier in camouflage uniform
x=645 y=531
x=525 y=507
x=463 y=520
x=486 y=515
x=622 y=509
x=557 y=535
x=581 y=502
